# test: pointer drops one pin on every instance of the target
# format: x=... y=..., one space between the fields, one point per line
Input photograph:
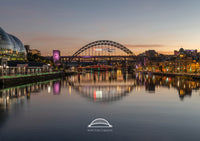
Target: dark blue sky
x=163 y=25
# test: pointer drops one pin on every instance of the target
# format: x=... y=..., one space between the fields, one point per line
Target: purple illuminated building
x=56 y=57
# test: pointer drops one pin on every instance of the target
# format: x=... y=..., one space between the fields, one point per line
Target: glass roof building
x=11 y=47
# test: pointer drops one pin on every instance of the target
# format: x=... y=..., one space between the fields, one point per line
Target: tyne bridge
x=102 y=54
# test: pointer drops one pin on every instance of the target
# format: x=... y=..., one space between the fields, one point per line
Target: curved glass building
x=11 y=47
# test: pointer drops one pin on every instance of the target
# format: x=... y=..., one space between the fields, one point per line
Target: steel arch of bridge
x=103 y=42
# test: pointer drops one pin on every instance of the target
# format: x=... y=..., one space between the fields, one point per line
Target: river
x=136 y=107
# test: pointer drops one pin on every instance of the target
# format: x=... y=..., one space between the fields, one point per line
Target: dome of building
x=11 y=47
x=15 y=44
x=5 y=42
x=20 y=46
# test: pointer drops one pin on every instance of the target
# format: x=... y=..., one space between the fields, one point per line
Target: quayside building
x=13 y=58
x=11 y=47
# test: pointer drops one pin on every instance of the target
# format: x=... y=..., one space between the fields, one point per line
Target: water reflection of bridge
x=99 y=87
x=104 y=92
x=109 y=86
x=104 y=86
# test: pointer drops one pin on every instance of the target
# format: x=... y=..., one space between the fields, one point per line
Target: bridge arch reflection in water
x=100 y=86
x=103 y=87
x=112 y=86
x=16 y=99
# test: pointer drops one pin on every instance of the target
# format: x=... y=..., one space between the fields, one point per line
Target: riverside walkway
x=28 y=78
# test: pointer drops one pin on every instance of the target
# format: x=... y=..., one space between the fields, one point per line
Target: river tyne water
x=138 y=107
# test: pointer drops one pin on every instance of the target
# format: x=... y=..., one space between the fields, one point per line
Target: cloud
x=144 y=46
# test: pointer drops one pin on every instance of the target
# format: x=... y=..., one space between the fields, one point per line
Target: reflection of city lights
x=136 y=75
x=182 y=92
x=56 y=88
x=94 y=95
x=7 y=97
x=118 y=88
x=167 y=79
x=70 y=90
x=99 y=94
x=49 y=89
x=119 y=72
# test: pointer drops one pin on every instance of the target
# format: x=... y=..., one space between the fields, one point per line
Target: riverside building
x=11 y=47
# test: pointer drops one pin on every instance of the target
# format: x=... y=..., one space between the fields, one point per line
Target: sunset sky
x=67 y=25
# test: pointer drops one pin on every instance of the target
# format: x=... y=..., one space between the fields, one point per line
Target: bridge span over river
x=102 y=52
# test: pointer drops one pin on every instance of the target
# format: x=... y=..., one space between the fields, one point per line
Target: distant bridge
x=102 y=52
x=102 y=46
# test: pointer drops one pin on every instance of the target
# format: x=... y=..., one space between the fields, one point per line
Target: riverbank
x=29 y=78
x=14 y=80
